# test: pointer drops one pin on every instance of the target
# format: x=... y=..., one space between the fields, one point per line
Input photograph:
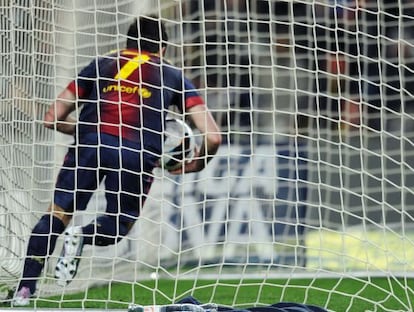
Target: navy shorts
x=124 y=168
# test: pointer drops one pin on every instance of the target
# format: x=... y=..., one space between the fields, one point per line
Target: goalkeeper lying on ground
x=190 y=304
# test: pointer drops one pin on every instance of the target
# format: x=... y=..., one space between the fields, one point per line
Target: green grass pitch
x=356 y=294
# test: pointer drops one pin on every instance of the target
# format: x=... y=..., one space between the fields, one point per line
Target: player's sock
x=42 y=242
x=104 y=231
x=88 y=233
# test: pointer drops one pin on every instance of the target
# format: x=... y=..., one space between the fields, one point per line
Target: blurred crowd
x=290 y=66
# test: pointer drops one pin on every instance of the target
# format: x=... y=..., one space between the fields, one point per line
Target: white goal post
x=315 y=99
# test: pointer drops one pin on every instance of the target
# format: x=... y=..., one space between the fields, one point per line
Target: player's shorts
x=123 y=167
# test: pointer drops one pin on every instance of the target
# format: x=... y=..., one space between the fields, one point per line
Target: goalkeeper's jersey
x=127 y=94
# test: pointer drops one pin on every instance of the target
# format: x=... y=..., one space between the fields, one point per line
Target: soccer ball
x=179 y=144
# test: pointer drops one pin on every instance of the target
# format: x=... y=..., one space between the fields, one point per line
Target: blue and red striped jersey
x=128 y=94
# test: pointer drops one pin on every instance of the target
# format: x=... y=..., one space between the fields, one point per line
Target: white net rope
x=315 y=103
x=26 y=88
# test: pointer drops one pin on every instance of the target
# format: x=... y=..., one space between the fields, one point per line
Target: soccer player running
x=124 y=98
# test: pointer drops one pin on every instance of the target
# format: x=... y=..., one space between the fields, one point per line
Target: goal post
x=315 y=175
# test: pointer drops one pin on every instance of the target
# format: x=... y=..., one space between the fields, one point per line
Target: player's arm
x=205 y=123
x=57 y=117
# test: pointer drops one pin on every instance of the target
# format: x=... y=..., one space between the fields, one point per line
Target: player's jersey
x=128 y=94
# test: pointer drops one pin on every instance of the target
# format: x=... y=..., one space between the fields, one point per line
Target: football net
x=315 y=101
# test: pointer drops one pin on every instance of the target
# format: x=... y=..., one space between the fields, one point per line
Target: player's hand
x=196 y=164
x=49 y=119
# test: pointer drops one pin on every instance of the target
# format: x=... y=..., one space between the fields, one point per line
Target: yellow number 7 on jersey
x=131 y=66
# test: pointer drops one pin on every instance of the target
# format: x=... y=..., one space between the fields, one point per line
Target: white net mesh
x=314 y=99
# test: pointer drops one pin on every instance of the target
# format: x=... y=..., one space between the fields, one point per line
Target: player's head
x=147 y=34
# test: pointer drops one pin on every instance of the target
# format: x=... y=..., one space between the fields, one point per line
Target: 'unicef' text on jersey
x=142 y=92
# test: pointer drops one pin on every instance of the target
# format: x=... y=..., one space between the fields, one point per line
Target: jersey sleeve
x=83 y=84
x=191 y=96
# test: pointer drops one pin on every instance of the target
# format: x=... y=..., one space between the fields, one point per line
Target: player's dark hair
x=146 y=34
